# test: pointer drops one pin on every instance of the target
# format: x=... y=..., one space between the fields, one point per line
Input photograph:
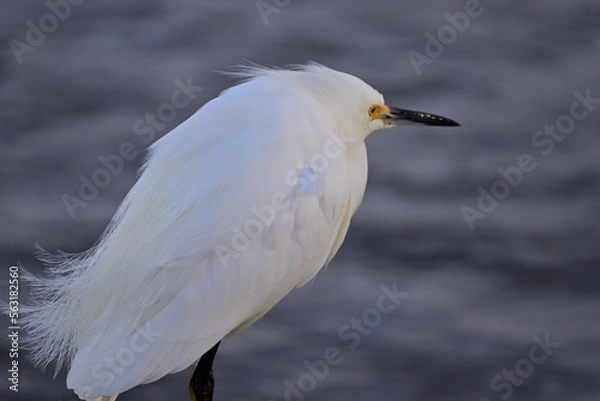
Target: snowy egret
x=247 y=199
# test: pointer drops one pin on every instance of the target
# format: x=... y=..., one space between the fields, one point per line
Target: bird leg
x=202 y=382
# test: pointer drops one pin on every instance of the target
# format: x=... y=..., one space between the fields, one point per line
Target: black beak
x=398 y=116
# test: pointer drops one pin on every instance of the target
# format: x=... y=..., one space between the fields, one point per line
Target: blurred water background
x=476 y=296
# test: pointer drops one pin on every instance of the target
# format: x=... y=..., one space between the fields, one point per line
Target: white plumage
x=247 y=199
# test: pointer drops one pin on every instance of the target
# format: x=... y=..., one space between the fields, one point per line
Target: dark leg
x=202 y=382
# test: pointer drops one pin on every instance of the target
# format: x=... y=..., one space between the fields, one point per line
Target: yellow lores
x=378 y=112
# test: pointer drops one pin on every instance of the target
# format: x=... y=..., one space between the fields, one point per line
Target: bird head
x=354 y=107
x=357 y=108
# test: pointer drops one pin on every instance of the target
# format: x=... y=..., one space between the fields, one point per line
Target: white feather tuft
x=52 y=317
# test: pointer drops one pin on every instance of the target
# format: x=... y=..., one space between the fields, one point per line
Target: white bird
x=244 y=201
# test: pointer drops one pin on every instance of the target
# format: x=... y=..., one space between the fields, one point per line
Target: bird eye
x=373 y=111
